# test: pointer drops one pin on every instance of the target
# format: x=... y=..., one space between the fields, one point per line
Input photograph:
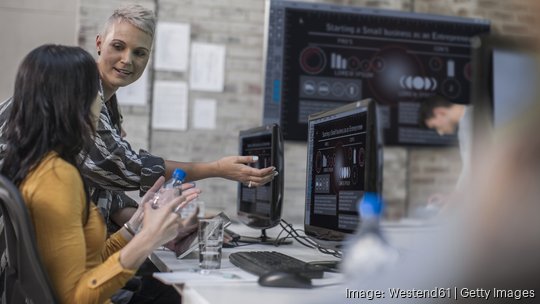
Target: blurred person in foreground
x=502 y=236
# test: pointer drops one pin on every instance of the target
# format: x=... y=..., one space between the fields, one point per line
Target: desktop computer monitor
x=505 y=78
x=260 y=207
x=344 y=160
x=319 y=56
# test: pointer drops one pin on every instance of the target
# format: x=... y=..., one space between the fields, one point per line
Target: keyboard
x=261 y=262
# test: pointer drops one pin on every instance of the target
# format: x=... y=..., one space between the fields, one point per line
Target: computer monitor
x=260 y=207
x=319 y=56
x=506 y=74
x=344 y=160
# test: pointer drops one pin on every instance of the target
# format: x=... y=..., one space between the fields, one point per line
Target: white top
x=465 y=142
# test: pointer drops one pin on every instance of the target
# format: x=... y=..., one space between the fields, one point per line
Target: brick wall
x=411 y=175
x=514 y=18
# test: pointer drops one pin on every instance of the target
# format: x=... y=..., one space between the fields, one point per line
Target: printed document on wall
x=207 y=71
x=135 y=93
x=172 y=46
x=170 y=105
x=204 y=114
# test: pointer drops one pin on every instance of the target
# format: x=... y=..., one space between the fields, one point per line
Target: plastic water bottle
x=189 y=209
x=170 y=189
x=367 y=252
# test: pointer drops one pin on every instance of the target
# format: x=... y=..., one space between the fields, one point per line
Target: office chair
x=25 y=278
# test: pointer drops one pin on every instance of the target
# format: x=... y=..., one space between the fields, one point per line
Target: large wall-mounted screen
x=321 y=56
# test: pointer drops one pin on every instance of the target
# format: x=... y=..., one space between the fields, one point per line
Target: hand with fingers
x=188 y=189
x=159 y=226
x=159 y=221
x=190 y=192
x=162 y=223
x=134 y=224
x=237 y=168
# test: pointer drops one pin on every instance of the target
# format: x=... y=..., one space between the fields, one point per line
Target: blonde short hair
x=136 y=15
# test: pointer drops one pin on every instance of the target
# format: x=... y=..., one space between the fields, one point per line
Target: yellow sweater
x=83 y=265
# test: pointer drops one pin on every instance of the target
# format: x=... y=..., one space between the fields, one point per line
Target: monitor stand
x=263 y=239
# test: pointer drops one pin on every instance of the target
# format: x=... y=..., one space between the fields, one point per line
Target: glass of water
x=210 y=243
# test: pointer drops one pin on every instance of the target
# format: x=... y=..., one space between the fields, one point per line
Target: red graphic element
x=312 y=60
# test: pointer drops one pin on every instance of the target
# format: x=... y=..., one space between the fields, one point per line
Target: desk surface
x=247 y=289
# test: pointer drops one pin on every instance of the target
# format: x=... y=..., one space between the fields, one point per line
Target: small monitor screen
x=256 y=200
x=342 y=156
x=506 y=72
x=515 y=81
x=260 y=207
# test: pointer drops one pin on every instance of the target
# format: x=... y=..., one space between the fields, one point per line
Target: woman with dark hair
x=53 y=120
x=46 y=93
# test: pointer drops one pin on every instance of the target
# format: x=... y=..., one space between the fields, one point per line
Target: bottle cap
x=370 y=205
x=179 y=174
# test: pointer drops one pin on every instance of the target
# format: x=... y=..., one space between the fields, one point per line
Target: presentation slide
x=337 y=171
x=320 y=57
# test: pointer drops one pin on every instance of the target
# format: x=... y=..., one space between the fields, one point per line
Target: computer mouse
x=284 y=279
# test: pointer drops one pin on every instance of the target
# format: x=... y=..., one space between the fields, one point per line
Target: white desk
x=249 y=291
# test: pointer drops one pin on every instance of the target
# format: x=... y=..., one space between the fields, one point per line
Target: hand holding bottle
x=170 y=189
x=190 y=193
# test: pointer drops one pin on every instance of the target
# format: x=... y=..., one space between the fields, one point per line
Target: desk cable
x=291 y=232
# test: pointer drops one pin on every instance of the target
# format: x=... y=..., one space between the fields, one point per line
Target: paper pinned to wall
x=134 y=94
x=172 y=46
x=170 y=105
x=204 y=114
x=207 y=71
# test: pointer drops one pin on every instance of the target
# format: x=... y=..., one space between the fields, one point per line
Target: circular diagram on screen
x=390 y=66
x=354 y=63
x=378 y=64
x=435 y=63
x=312 y=60
x=338 y=89
x=451 y=88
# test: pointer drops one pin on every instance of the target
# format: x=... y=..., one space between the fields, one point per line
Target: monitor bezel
x=329 y=238
x=482 y=64
x=258 y=221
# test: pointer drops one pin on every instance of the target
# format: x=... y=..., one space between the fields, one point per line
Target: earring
x=99 y=52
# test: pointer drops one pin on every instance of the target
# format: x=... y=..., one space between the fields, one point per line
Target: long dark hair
x=54 y=91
